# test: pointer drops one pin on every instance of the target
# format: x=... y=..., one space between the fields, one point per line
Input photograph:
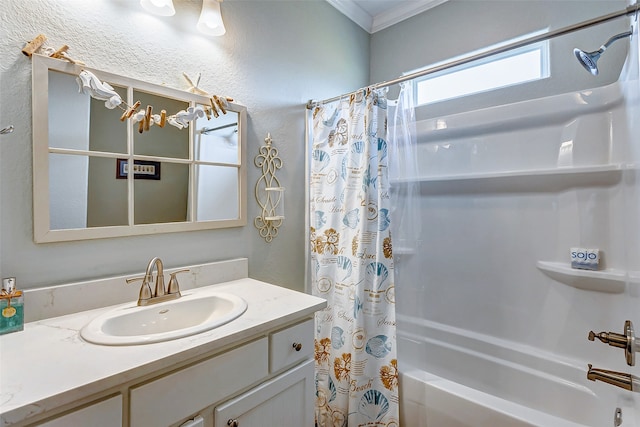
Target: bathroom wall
x=275 y=56
x=458 y=27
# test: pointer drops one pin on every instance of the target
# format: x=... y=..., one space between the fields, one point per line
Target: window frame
x=545 y=67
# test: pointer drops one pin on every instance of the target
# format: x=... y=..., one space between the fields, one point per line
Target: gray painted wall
x=275 y=56
x=458 y=27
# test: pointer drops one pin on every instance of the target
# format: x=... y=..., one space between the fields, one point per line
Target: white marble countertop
x=48 y=364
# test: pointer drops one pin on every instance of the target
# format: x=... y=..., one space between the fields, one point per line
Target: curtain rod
x=207 y=130
x=515 y=45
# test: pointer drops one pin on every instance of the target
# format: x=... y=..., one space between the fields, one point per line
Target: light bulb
x=159 y=7
x=210 y=21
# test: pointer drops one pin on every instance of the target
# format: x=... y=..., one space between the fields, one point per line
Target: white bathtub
x=432 y=401
x=456 y=378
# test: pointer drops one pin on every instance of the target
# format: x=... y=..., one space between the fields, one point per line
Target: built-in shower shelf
x=609 y=280
x=552 y=179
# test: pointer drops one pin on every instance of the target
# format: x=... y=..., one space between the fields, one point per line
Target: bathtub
x=456 y=378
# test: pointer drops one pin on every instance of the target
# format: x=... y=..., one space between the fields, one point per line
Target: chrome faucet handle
x=626 y=341
x=145 y=289
x=174 y=287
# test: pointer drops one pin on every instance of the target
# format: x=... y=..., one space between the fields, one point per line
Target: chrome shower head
x=589 y=60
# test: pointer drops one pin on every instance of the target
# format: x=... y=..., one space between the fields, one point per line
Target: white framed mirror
x=183 y=179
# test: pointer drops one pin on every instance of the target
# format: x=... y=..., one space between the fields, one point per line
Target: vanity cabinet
x=256 y=370
x=270 y=381
x=107 y=413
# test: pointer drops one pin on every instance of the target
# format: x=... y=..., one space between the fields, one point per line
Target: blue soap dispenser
x=11 y=307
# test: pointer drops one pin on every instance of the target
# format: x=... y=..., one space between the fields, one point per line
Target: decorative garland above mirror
x=90 y=84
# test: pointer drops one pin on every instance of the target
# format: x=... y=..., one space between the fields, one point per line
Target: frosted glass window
x=510 y=68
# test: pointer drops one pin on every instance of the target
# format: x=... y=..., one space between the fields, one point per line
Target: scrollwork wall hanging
x=269 y=192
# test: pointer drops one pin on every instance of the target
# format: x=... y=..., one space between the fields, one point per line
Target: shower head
x=589 y=60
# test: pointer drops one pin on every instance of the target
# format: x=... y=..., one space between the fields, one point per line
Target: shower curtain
x=352 y=263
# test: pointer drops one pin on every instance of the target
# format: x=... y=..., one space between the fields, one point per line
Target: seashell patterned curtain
x=352 y=264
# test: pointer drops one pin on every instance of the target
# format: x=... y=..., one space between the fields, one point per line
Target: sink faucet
x=148 y=276
x=146 y=296
x=618 y=379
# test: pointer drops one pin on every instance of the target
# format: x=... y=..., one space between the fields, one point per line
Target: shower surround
x=492 y=321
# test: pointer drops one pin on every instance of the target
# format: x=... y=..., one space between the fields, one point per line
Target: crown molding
x=372 y=24
x=353 y=12
x=400 y=13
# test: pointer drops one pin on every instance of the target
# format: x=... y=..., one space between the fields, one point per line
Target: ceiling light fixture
x=159 y=7
x=210 y=21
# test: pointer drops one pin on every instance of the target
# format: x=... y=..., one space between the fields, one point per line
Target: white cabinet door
x=107 y=413
x=286 y=400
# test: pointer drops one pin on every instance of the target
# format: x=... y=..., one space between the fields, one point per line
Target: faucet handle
x=174 y=287
x=625 y=341
x=145 y=289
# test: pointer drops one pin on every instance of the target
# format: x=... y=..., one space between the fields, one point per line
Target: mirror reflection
x=168 y=141
x=76 y=121
x=101 y=177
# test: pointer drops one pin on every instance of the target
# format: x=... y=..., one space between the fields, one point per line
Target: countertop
x=49 y=365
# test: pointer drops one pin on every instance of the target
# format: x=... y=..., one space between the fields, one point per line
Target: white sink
x=198 y=310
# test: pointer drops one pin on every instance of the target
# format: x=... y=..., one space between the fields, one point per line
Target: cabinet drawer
x=176 y=396
x=107 y=413
x=282 y=345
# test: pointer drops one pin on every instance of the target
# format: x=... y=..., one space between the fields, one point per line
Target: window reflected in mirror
x=217 y=142
x=79 y=122
x=163 y=199
x=217 y=197
x=168 y=141
x=84 y=193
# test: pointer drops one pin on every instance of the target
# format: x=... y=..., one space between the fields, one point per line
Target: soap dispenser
x=11 y=307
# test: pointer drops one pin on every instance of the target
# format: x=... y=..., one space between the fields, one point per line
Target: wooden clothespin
x=214 y=109
x=220 y=104
x=163 y=118
x=31 y=47
x=129 y=111
x=147 y=118
x=58 y=54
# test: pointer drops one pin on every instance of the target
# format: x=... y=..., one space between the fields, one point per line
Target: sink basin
x=197 y=311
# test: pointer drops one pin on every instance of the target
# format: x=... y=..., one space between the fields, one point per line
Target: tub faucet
x=148 y=297
x=618 y=379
